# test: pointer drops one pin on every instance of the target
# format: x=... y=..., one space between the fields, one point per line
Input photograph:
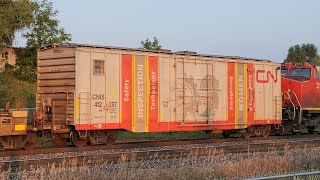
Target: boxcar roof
x=163 y=51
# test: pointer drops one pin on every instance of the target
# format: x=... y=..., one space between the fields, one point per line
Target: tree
x=45 y=28
x=302 y=53
x=14 y=16
x=151 y=45
x=26 y=64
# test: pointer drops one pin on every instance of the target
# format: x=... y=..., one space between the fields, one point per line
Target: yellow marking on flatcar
x=20 y=127
x=160 y=116
x=120 y=117
x=147 y=93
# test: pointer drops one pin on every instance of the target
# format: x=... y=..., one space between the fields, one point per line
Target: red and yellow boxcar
x=91 y=90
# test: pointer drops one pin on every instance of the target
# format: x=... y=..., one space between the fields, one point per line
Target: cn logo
x=269 y=75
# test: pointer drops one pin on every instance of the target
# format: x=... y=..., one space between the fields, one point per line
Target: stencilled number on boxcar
x=98 y=100
x=111 y=108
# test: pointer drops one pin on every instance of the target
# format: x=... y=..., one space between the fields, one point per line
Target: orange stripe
x=153 y=92
x=147 y=93
x=231 y=93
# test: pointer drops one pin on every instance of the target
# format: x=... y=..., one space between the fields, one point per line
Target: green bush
x=13 y=90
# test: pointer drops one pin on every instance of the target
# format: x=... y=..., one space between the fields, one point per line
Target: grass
x=215 y=166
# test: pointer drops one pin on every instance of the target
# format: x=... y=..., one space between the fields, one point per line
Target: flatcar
x=15 y=133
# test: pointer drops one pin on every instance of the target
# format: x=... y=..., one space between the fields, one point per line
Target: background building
x=8 y=55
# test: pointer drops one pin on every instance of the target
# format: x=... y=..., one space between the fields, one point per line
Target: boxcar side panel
x=83 y=88
x=97 y=93
x=193 y=90
x=267 y=94
x=112 y=89
x=172 y=86
x=165 y=88
x=219 y=92
x=259 y=93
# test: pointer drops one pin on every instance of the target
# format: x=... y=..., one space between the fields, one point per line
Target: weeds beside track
x=166 y=149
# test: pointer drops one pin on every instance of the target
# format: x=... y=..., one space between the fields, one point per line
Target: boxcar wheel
x=265 y=131
x=249 y=131
x=31 y=141
x=59 y=140
x=76 y=140
x=246 y=134
x=112 y=137
x=311 y=129
x=226 y=134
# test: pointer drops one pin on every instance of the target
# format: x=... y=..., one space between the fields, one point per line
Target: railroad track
x=152 y=143
x=169 y=149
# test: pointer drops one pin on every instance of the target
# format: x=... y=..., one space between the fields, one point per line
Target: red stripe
x=231 y=93
x=153 y=93
x=175 y=126
x=101 y=126
x=251 y=96
x=126 y=91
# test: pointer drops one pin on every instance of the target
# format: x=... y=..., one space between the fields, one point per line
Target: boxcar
x=91 y=91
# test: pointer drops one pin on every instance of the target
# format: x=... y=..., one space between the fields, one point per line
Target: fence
x=294 y=176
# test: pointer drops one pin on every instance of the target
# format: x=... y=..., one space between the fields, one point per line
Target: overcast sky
x=251 y=28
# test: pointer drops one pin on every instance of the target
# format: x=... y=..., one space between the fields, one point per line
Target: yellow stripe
x=312 y=109
x=147 y=94
x=20 y=127
x=245 y=94
x=120 y=117
x=236 y=95
x=77 y=108
x=227 y=114
x=160 y=116
x=133 y=93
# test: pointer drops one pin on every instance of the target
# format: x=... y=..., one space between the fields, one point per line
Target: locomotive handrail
x=300 y=111
x=294 y=107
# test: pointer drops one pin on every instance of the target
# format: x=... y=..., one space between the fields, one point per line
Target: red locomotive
x=300 y=86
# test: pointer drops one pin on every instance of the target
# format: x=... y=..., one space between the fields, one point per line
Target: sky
x=263 y=29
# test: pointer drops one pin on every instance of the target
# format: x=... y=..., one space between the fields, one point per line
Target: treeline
x=39 y=26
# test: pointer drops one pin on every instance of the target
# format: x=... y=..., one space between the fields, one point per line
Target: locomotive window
x=316 y=74
x=284 y=72
x=300 y=72
x=98 y=67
